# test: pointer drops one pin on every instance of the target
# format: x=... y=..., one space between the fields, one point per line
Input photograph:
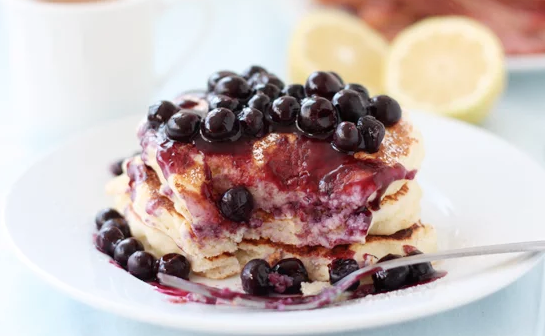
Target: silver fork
x=333 y=293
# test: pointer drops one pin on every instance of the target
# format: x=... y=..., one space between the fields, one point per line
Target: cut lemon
x=453 y=66
x=332 y=40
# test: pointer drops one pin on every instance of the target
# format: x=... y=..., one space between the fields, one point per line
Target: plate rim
x=197 y=323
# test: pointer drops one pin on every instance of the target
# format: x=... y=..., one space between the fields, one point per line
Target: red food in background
x=520 y=24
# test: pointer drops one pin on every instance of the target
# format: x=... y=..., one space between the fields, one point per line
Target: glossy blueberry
x=294 y=270
x=216 y=76
x=420 y=272
x=255 y=277
x=284 y=110
x=385 y=109
x=297 y=91
x=175 y=264
x=347 y=137
x=364 y=93
x=234 y=87
x=337 y=76
x=119 y=223
x=217 y=101
x=350 y=105
x=142 y=265
x=340 y=268
x=252 y=122
x=125 y=248
x=237 y=204
x=220 y=124
x=159 y=113
x=107 y=238
x=252 y=70
x=260 y=101
x=323 y=84
x=104 y=215
x=372 y=132
x=317 y=117
x=265 y=78
x=271 y=90
x=116 y=168
x=183 y=126
x=392 y=279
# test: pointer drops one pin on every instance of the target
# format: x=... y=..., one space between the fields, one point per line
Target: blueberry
x=252 y=122
x=364 y=93
x=159 y=113
x=107 y=238
x=255 y=277
x=385 y=109
x=337 y=76
x=271 y=90
x=175 y=264
x=237 y=204
x=260 y=101
x=119 y=223
x=116 y=168
x=252 y=70
x=372 y=132
x=234 y=87
x=125 y=248
x=220 y=124
x=284 y=110
x=322 y=84
x=217 y=101
x=347 y=137
x=216 y=76
x=142 y=265
x=350 y=105
x=392 y=279
x=265 y=78
x=297 y=91
x=420 y=272
x=340 y=268
x=183 y=126
x=103 y=215
x=294 y=269
x=317 y=117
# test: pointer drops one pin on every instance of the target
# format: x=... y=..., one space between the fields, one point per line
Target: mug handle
x=164 y=5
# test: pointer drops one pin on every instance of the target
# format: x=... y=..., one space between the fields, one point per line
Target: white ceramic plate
x=526 y=63
x=478 y=190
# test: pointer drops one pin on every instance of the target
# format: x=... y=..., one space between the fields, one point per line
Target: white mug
x=74 y=64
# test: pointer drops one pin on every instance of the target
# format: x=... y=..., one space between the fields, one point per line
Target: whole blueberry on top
x=175 y=264
x=107 y=238
x=119 y=223
x=337 y=76
x=350 y=105
x=159 y=113
x=420 y=272
x=385 y=109
x=234 y=87
x=271 y=90
x=364 y=93
x=237 y=204
x=142 y=265
x=347 y=137
x=391 y=279
x=260 y=101
x=323 y=84
x=252 y=122
x=220 y=124
x=125 y=248
x=104 y=215
x=317 y=117
x=294 y=270
x=216 y=76
x=216 y=101
x=255 y=277
x=265 y=78
x=372 y=132
x=183 y=126
x=297 y=91
x=253 y=69
x=116 y=168
x=284 y=110
x=340 y=268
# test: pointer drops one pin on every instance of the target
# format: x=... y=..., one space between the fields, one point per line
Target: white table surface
x=28 y=306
